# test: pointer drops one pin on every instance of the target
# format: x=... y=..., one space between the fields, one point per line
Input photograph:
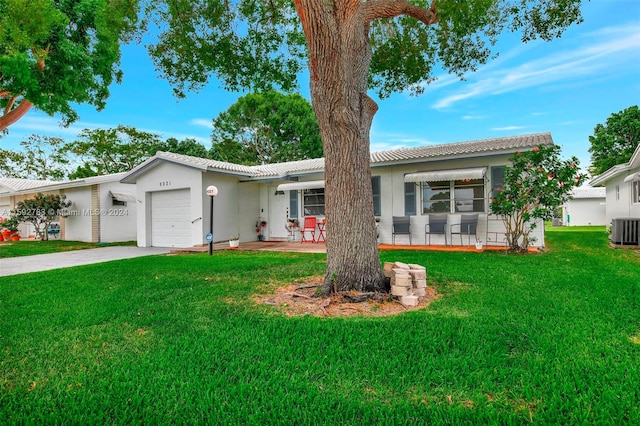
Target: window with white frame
x=635 y=194
x=409 y=198
x=313 y=202
x=497 y=179
x=436 y=197
x=459 y=196
x=293 y=204
x=377 y=195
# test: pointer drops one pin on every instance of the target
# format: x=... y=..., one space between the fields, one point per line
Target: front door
x=278 y=208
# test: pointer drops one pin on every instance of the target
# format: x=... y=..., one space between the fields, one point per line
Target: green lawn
x=32 y=247
x=550 y=338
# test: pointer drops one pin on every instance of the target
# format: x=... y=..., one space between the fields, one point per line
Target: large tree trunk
x=339 y=58
x=337 y=34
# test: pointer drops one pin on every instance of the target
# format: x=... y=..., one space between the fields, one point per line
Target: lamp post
x=212 y=191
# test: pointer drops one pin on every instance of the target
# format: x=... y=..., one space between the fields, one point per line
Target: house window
x=116 y=202
x=635 y=188
x=377 y=197
x=409 y=198
x=313 y=202
x=436 y=197
x=460 y=196
x=497 y=179
x=293 y=204
x=468 y=195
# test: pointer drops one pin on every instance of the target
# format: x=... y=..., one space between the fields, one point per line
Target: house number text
x=165 y=183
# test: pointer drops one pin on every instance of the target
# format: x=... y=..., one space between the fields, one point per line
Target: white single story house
x=448 y=180
x=586 y=208
x=102 y=209
x=622 y=185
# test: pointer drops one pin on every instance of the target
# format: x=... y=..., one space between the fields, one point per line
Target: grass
x=33 y=247
x=550 y=338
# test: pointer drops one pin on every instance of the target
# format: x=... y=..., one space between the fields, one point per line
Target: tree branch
x=14 y=115
x=10 y=104
x=377 y=9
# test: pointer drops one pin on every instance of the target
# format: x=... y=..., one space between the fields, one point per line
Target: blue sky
x=565 y=87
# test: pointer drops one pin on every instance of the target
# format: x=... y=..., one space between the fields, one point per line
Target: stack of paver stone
x=408 y=281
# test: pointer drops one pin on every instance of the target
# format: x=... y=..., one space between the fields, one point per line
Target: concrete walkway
x=67 y=259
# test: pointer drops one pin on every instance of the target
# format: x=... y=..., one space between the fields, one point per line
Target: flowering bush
x=41 y=210
x=536 y=184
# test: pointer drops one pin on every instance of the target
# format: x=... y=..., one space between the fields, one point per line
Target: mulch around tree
x=300 y=299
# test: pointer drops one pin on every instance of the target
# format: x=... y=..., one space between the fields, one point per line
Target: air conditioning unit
x=625 y=231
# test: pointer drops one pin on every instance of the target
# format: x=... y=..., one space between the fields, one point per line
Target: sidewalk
x=67 y=259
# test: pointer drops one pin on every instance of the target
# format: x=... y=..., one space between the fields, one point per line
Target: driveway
x=67 y=259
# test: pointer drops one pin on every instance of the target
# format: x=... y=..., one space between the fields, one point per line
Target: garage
x=170 y=223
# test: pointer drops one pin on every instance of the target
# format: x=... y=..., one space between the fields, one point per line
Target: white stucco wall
x=585 y=212
x=634 y=208
x=77 y=227
x=5 y=207
x=235 y=208
x=618 y=202
x=117 y=223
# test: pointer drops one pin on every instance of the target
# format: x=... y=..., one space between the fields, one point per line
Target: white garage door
x=171 y=218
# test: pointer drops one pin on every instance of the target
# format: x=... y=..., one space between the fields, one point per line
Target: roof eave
x=613 y=172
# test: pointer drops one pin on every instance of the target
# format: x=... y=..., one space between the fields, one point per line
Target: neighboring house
x=622 y=183
x=587 y=208
x=451 y=179
x=102 y=209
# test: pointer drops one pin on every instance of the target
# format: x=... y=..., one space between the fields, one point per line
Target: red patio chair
x=309 y=226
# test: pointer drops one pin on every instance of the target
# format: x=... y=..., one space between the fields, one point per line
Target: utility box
x=625 y=231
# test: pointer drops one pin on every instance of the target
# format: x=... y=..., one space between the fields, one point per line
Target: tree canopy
x=100 y=151
x=54 y=53
x=120 y=149
x=105 y=151
x=269 y=127
x=615 y=141
x=41 y=157
x=349 y=46
x=187 y=146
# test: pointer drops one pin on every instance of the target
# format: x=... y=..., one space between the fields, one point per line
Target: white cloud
x=611 y=48
x=202 y=122
x=41 y=124
x=390 y=141
x=46 y=125
x=507 y=128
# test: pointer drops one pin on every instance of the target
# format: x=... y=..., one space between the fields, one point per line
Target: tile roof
x=26 y=186
x=203 y=163
x=504 y=145
x=15 y=184
x=589 y=192
x=283 y=169
x=464 y=149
